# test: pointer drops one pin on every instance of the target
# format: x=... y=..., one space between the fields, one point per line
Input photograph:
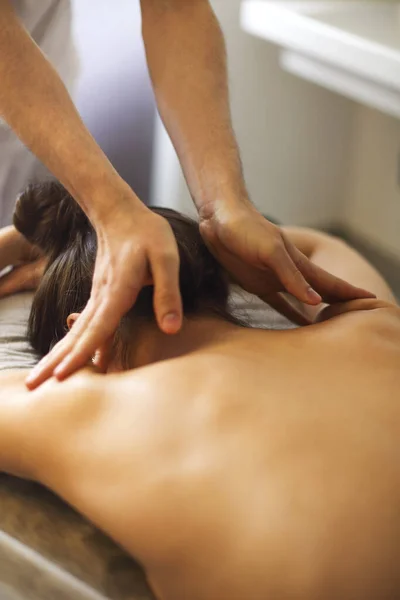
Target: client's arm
x=28 y=265
x=14 y=248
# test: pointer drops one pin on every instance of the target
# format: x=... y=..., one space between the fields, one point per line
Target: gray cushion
x=15 y=352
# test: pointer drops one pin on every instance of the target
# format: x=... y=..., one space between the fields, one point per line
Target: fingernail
x=313 y=296
x=170 y=320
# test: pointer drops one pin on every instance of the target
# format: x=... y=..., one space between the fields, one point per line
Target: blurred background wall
x=113 y=93
x=372 y=200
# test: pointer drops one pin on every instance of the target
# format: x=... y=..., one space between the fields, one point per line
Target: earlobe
x=71 y=319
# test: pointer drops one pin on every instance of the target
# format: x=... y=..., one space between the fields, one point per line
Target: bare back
x=261 y=467
x=266 y=466
x=303 y=424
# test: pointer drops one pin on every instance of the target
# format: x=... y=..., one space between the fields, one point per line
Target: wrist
x=106 y=197
x=226 y=199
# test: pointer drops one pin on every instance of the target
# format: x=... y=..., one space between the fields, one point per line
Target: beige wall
x=372 y=207
x=294 y=137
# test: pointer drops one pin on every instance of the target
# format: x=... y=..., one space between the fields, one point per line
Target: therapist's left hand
x=264 y=262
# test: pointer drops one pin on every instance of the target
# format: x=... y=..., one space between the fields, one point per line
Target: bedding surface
x=15 y=352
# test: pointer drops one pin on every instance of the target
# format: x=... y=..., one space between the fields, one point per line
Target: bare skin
x=235 y=463
x=184 y=44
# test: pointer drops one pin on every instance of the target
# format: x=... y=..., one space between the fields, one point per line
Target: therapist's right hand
x=133 y=245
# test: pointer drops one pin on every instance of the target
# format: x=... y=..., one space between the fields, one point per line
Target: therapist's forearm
x=36 y=105
x=187 y=61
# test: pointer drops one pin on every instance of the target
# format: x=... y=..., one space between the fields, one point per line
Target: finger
x=290 y=276
x=167 y=296
x=103 y=356
x=331 y=288
x=101 y=326
x=283 y=306
x=98 y=322
x=46 y=367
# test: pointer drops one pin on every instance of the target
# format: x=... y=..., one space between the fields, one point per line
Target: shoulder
x=365 y=305
x=12 y=383
x=369 y=315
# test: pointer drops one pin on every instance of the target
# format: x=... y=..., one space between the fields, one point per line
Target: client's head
x=49 y=218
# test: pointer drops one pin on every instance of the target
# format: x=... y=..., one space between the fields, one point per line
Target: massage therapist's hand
x=134 y=244
x=28 y=265
x=261 y=259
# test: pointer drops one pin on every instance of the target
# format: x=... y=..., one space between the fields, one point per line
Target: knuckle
x=275 y=245
x=166 y=297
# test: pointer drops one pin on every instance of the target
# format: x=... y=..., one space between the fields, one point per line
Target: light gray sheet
x=15 y=352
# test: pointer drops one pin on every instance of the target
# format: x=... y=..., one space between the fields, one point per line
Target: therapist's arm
x=37 y=106
x=131 y=239
x=187 y=61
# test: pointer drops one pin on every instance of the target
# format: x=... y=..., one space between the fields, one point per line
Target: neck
x=150 y=344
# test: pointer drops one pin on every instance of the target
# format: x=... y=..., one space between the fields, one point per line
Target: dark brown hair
x=48 y=217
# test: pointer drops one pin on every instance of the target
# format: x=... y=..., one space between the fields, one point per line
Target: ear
x=71 y=319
